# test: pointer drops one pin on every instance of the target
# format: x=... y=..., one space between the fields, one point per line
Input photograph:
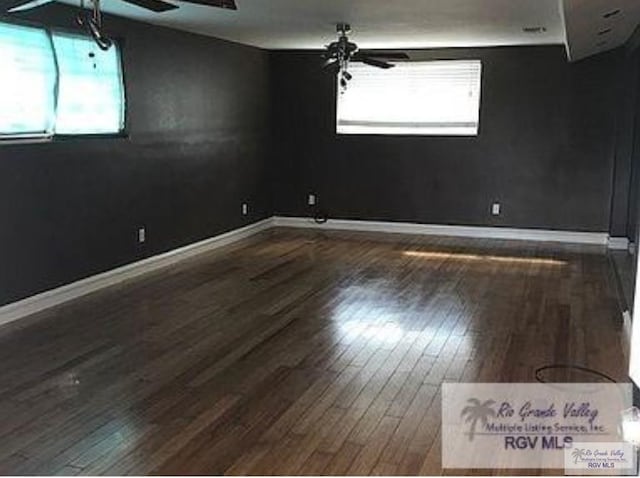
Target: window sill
x=407 y=135
x=61 y=138
x=25 y=140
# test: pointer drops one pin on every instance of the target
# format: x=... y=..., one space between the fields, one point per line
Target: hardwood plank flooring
x=295 y=352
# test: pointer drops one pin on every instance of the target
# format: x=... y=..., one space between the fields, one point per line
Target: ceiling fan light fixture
x=342 y=52
x=156 y=6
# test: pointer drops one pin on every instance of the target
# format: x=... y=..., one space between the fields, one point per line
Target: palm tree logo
x=476 y=412
x=577 y=454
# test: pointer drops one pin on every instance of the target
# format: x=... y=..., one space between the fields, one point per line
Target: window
x=56 y=83
x=418 y=98
x=90 y=98
x=27 y=82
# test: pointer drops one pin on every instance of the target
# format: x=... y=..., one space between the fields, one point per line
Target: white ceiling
x=310 y=24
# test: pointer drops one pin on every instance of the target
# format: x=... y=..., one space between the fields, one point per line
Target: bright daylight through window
x=416 y=98
x=57 y=83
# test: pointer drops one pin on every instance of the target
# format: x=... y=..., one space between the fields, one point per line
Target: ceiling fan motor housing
x=340 y=53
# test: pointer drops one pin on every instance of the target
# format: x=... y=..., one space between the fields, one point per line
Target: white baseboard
x=618 y=243
x=595 y=238
x=65 y=293
x=626 y=333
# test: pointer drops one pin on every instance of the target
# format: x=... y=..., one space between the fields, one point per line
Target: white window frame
x=123 y=102
x=413 y=126
x=25 y=138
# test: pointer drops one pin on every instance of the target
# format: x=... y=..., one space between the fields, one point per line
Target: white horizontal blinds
x=91 y=98
x=27 y=81
x=419 y=98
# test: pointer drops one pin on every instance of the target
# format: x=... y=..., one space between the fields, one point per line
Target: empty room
x=337 y=237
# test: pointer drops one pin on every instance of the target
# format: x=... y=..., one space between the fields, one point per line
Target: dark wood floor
x=624 y=263
x=294 y=353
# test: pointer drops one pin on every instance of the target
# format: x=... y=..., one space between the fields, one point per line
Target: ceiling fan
x=91 y=20
x=157 y=6
x=340 y=53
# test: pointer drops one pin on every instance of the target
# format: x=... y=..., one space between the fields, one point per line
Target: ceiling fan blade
x=330 y=64
x=228 y=4
x=332 y=49
x=373 y=62
x=386 y=55
x=153 y=5
x=28 y=5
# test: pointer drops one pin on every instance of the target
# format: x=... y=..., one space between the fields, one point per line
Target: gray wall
x=545 y=150
x=198 y=125
x=624 y=202
x=212 y=124
x=622 y=215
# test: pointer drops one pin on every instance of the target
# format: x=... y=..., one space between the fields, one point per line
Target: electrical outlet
x=245 y=209
x=495 y=209
x=142 y=235
x=312 y=200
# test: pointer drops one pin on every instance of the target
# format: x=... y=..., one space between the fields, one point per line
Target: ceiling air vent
x=534 y=29
x=612 y=13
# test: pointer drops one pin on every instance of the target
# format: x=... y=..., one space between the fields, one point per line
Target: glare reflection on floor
x=481 y=257
x=388 y=333
x=370 y=314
